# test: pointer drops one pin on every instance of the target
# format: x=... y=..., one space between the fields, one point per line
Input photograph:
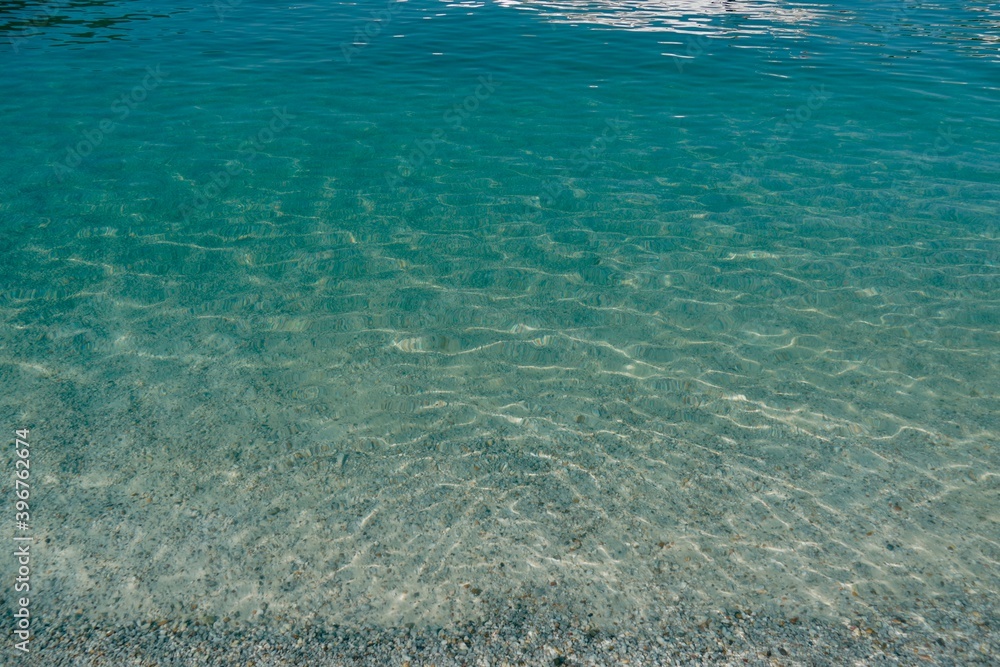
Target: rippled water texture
x=346 y=310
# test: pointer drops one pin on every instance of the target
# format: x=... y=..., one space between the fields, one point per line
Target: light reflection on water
x=707 y=17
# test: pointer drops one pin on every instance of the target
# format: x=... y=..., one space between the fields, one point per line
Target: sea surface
x=383 y=312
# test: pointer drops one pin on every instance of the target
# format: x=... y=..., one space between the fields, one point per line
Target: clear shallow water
x=343 y=317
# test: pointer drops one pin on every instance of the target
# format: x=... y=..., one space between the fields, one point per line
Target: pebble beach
x=515 y=635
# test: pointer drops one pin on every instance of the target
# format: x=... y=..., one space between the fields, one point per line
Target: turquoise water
x=343 y=310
